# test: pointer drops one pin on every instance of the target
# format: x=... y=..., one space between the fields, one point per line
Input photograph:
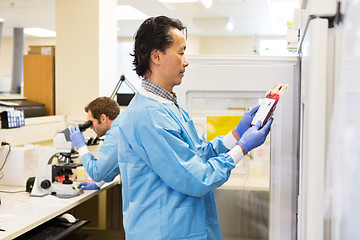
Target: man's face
x=173 y=60
x=99 y=127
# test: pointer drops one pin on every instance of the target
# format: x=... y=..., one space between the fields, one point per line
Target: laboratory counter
x=19 y=213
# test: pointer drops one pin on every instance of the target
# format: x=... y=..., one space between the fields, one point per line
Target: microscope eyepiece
x=82 y=127
x=85 y=125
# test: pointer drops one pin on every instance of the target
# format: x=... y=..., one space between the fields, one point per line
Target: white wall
x=195 y=45
x=86 y=52
x=6 y=54
x=6 y=51
x=228 y=45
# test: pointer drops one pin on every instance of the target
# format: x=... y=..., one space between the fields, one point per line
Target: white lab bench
x=20 y=213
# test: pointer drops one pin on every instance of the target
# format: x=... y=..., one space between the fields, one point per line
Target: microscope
x=46 y=173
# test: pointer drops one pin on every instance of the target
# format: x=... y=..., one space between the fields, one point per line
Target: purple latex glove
x=88 y=185
x=245 y=121
x=77 y=137
x=255 y=136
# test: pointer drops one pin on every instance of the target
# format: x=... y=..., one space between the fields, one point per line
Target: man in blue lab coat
x=103 y=112
x=168 y=174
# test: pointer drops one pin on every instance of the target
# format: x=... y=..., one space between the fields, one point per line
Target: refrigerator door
x=316 y=53
x=259 y=199
x=343 y=178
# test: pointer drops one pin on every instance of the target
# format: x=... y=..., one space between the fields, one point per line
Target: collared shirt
x=159 y=91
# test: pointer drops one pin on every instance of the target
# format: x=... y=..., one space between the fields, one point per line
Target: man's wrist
x=99 y=184
x=243 y=149
x=229 y=140
x=236 y=153
x=83 y=150
x=235 y=134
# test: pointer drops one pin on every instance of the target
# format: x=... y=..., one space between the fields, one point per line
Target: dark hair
x=103 y=105
x=153 y=33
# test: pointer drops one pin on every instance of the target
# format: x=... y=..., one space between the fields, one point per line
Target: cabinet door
x=39 y=80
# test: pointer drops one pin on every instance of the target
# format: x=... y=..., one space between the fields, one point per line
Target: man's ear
x=155 y=56
x=103 y=117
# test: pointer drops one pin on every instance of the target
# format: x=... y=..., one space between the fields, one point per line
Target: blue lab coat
x=168 y=173
x=106 y=166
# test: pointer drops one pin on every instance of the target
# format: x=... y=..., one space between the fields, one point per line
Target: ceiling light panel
x=219 y=23
x=187 y=4
x=127 y=12
x=39 y=32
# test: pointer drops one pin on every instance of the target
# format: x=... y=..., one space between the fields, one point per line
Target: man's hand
x=254 y=137
x=88 y=185
x=77 y=137
x=245 y=121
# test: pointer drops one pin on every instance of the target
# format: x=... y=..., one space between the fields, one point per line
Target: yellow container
x=220 y=125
